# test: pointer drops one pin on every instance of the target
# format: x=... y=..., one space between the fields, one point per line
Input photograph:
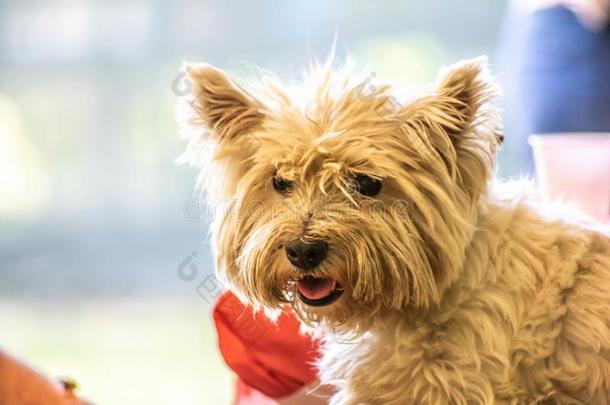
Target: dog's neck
x=470 y=276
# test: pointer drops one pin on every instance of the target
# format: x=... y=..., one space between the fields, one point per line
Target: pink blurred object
x=575 y=166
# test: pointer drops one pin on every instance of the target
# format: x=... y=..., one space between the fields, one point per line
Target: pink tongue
x=315 y=288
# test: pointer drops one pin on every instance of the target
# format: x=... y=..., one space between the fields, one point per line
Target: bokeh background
x=96 y=220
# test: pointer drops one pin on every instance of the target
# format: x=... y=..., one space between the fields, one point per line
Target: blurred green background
x=95 y=218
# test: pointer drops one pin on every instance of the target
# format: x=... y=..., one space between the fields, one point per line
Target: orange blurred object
x=272 y=360
x=575 y=166
x=22 y=385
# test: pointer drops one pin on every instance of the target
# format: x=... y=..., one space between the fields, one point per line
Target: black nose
x=306 y=255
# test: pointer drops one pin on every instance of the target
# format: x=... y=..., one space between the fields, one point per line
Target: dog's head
x=336 y=197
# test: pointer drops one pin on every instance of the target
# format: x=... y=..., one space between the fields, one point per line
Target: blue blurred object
x=556 y=75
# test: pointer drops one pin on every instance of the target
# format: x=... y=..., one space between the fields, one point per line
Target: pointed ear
x=460 y=122
x=218 y=105
x=216 y=117
x=468 y=90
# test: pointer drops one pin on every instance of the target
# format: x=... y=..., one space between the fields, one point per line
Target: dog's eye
x=366 y=185
x=281 y=185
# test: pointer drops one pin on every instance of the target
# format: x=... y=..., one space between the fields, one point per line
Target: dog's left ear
x=461 y=122
x=467 y=88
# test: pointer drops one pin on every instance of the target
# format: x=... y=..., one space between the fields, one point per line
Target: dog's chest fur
x=509 y=331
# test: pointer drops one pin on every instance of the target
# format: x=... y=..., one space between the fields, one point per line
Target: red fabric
x=273 y=358
x=246 y=395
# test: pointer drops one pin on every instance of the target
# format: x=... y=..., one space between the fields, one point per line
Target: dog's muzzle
x=306 y=255
x=318 y=291
x=315 y=291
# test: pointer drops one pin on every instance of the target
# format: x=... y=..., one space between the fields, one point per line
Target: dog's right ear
x=217 y=105
x=216 y=117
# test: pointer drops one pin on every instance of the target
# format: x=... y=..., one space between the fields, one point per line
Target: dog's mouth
x=318 y=291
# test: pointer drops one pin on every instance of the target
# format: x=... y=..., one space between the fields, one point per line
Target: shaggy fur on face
x=437 y=288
